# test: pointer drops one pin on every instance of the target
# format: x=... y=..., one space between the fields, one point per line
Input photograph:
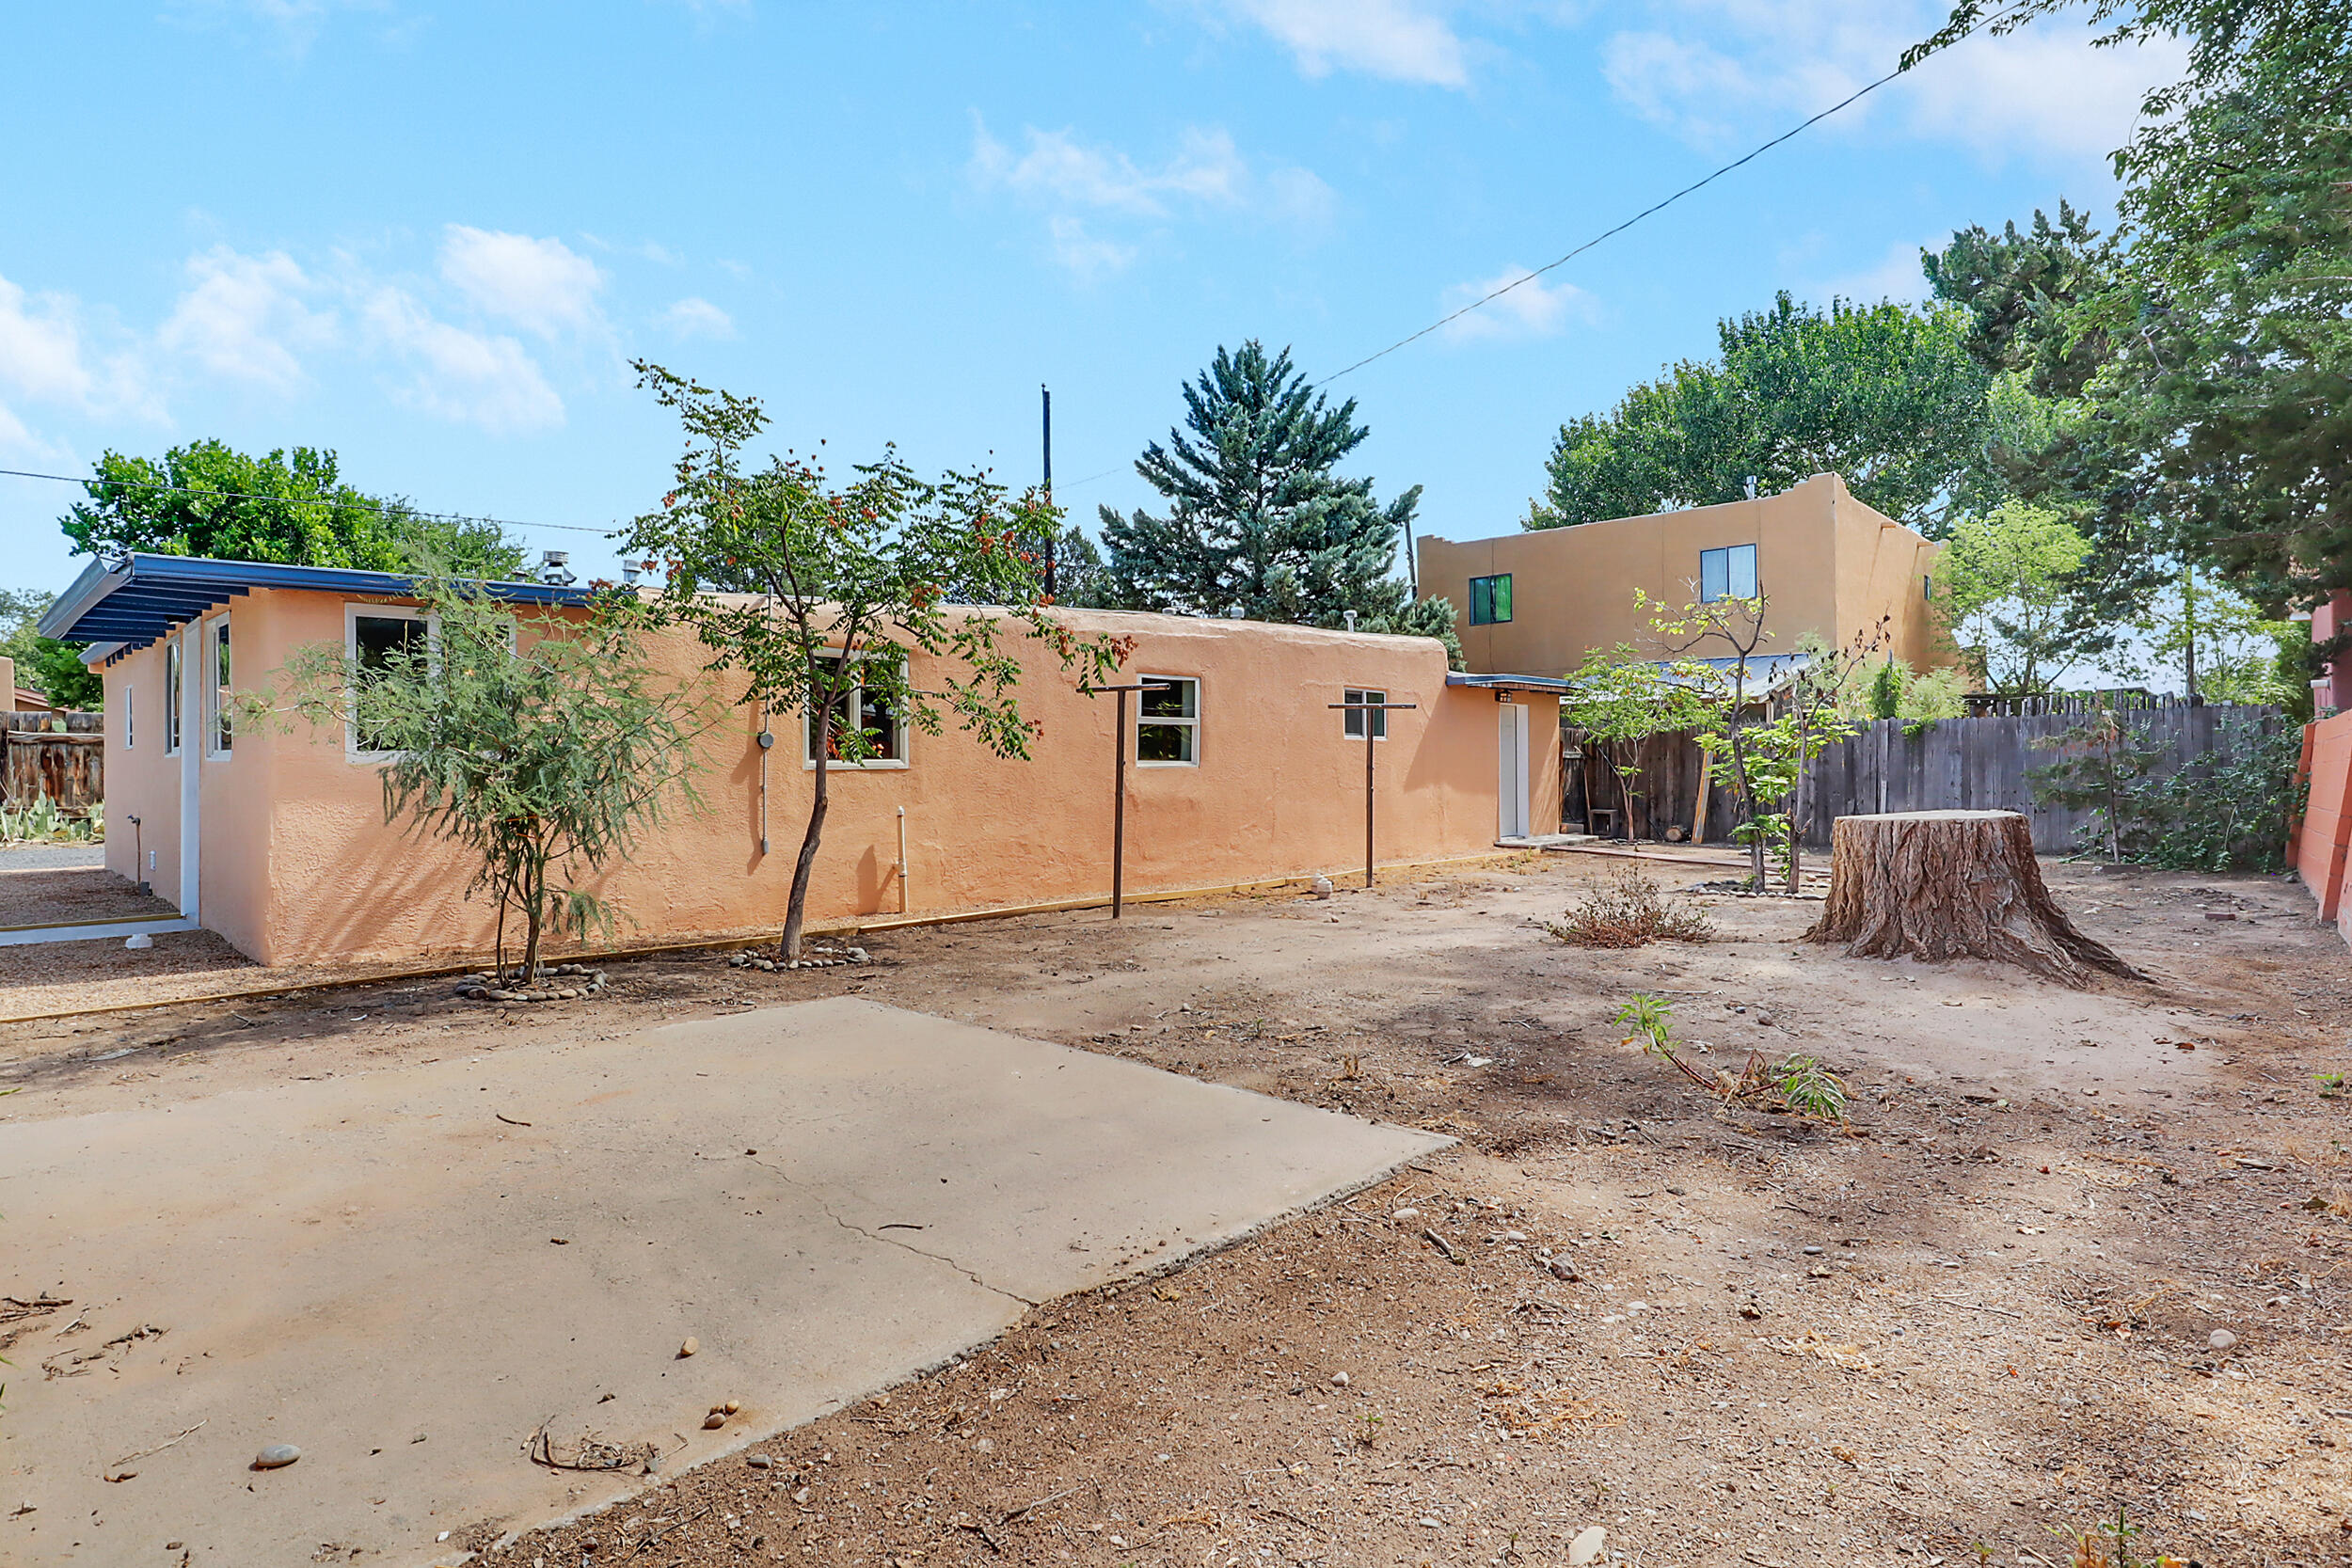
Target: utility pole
x=1053 y=539
x=2188 y=626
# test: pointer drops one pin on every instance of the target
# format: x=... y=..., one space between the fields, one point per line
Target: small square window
x=1490 y=600
x=1352 y=720
x=1727 y=573
x=1167 y=721
x=377 y=638
x=884 y=743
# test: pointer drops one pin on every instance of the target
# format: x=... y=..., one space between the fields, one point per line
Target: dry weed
x=1626 y=911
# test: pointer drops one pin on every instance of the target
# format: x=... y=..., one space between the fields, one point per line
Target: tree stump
x=1949 y=884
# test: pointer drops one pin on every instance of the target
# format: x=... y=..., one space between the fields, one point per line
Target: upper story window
x=377 y=638
x=1727 y=573
x=171 y=697
x=1167 y=721
x=1352 y=719
x=883 y=733
x=1490 y=600
x=219 y=698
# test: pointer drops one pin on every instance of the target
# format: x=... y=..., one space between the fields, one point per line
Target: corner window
x=219 y=699
x=1352 y=720
x=1727 y=573
x=1167 y=721
x=1490 y=600
x=377 y=638
x=171 y=697
x=884 y=732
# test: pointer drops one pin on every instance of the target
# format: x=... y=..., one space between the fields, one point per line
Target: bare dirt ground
x=1983 y=1317
x=37 y=895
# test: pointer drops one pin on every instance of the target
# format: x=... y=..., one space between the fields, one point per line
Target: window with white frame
x=130 y=725
x=884 y=732
x=1352 y=719
x=377 y=638
x=171 y=697
x=1167 y=721
x=1727 y=573
x=219 y=698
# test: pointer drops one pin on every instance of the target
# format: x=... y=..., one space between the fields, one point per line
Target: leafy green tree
x=206 y=499
x=2002 y=590
x=546 y=747
x=1620 y=699
x=1885 y=396
x=51 y=667
x=1259 y=523
x=2023 y=293
x=847 y=583
x=2225 y=412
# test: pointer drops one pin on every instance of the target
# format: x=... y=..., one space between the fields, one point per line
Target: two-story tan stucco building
x=1539 y=601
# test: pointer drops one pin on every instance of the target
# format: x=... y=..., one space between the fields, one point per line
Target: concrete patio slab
x=406 y=1273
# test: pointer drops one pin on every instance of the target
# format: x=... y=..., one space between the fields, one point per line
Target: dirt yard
x=2077 y=1252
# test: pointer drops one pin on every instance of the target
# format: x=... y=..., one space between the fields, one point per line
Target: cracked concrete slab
x=405 y=1273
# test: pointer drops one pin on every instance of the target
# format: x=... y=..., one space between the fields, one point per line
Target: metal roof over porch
x=138 y=597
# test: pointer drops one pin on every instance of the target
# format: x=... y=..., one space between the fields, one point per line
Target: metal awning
x=1548 y=685
x=137 y=598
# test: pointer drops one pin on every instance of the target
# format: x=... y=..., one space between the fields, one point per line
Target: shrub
x=1626 y=911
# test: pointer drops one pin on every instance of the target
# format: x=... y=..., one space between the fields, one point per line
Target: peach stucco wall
x=1827 y=563
x=300 y=865
x=2323 y=840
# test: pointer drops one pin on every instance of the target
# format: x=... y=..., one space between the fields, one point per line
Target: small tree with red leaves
x=819 y=596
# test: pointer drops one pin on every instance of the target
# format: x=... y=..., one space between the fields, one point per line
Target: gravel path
x=52 y=857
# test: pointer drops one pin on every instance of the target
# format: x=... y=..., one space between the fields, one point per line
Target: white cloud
x=244 y=317
x=45 y=356
x=1083 y=253
x=1898 y=276
x=1057 y=167
x=1721 y=72
x=542 y=286
x=695 y=317
x=1076 y=182
x=1532 y=309
x=1399 y=40
x=467 y=376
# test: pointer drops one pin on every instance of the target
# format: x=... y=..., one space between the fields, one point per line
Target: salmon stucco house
x=1240 y=771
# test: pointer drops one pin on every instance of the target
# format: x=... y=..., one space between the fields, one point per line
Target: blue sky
x=430 y=236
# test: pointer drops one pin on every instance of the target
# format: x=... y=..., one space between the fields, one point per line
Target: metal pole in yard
x=1118 y=798
x=1368 y=709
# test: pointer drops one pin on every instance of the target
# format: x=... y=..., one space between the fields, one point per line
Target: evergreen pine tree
x=1258 y=523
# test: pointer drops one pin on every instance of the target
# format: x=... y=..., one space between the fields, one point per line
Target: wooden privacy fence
x=1949 y=764
x=68 y=769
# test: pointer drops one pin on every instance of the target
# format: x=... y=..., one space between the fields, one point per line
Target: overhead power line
x=300 y=500
x=1654 y=208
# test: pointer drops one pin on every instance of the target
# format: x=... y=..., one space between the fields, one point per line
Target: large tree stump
x=1951 y=884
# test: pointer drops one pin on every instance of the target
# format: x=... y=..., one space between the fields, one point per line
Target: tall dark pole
x=1118 y=800
x=1053 y=539
x=1368 y=709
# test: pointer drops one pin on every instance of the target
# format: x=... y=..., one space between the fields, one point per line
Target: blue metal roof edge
x=1551 y=685
x=159 y=591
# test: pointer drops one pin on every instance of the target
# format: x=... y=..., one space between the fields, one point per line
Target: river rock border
x=562 y=983
x=819 y=958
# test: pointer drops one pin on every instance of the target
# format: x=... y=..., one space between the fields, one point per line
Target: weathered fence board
x=1976 y=764
x=70 y=770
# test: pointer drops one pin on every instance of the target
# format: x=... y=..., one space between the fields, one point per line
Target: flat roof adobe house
x=1540 y=600
x=277 y=840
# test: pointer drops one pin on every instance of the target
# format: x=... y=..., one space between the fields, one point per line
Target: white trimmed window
x=1352 y=720
x=885 y=732
x=376 y=637
x=171 y=696
x=220 y=696
x=129 y=726
x=1167 y=723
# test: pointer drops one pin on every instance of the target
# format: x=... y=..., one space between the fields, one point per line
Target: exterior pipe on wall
x=902 y=859
x=766 y=743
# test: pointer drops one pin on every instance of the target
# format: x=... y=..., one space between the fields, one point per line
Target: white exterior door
x=1511 y=806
